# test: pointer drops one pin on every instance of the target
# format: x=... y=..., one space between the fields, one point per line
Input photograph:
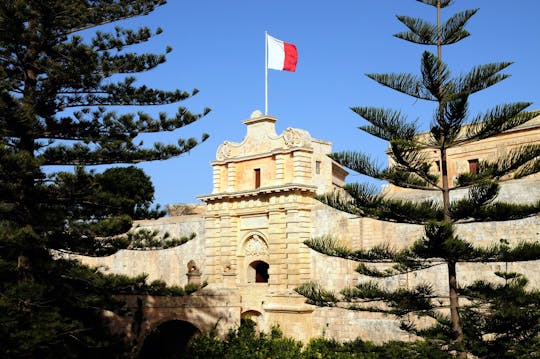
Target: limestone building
x=250 y=231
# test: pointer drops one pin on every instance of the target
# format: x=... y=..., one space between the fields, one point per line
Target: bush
x=245 y=342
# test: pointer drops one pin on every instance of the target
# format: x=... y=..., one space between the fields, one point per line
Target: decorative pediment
x=261 y=138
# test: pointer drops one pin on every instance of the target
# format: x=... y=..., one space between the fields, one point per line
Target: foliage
x=316 y=295
x=144 y=238
x=246 y=342
x=57 y=82
x=410 y=167
x=33 y=323
x=506 y=314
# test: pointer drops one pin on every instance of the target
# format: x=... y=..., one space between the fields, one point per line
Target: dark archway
x=261 y=271
x=168 y=340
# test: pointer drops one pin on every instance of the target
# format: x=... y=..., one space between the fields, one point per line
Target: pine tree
x=56 y=90
x=451 y=126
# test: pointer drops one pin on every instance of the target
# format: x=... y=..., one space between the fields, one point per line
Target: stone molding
x=263 y=190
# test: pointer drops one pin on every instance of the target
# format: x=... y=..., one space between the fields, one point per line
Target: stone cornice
x=278 y=151
x=291 y=187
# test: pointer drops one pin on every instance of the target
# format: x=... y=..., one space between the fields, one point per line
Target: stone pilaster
x=231 y=177
x=280 y=167
x=302 y=167
x=213 y=248
x=277 y=248
x=297 y=231
x=229 y=239
x=217 y=179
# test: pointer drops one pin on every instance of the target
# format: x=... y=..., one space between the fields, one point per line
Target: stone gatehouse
x=250 y=232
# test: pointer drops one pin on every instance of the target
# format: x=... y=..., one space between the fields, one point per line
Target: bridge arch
x=169 y=339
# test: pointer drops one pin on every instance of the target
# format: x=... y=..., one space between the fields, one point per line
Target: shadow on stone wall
x=151 y=321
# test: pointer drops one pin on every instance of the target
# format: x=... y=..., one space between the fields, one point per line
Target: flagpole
x=266 y=73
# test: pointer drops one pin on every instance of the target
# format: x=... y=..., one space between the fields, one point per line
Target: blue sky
x=218 y=47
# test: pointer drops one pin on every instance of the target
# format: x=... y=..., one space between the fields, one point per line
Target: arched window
x=258 y=272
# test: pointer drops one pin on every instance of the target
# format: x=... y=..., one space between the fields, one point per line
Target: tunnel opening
x=168 y=340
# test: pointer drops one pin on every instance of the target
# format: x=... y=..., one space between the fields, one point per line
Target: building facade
x=250 y=231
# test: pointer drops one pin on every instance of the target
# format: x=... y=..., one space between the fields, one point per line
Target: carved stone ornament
x=255 y=246
x=223 y=151
x=295 y=138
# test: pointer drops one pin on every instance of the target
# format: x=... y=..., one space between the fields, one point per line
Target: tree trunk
x=454 y=306
x=445 y=186
x=27 y=145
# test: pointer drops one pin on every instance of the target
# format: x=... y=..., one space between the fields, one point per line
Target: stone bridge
x=161 y=326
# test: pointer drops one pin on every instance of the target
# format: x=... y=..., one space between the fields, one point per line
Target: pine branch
x=402 y=301
x=499 y=119
x=405 y=178
x=358 y=162
x=128 y=63
x=420 y=31
x=406 y=83
x=114 y=152
x=104 y=41
x=102 y=12
x=100 y=125
x=124 y=94
x=435 y=3
x=409 y=158
x=447 y=125
x=316 y=295
x=480 y=78
x=522 y=161
x=452 y=30
x=466 y=209
x=386 y=124
x=435 y=76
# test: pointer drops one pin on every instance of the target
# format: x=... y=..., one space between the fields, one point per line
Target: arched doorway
x=168 y=340
x=254 y=316
x=258 y=272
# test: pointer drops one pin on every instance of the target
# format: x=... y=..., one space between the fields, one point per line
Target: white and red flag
x=281 y=55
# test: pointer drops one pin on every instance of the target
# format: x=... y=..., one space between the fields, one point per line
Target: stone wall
x=345 y=325
x=169 y=265
x=511 y=192
x=177 y=226
x=361 y=232
x=337 y=273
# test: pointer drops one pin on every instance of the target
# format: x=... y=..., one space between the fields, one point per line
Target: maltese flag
x=281 y=55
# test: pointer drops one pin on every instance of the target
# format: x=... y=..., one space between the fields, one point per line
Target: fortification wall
x=338 y=273
x=362 y=233
x=176 y=226
x=169 y=265
x=523 y=190
x=346 y=325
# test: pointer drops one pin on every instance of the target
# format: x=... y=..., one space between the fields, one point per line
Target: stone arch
x=169 y=339
x=256 y=258
x=258 y=272
x=253 y=315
